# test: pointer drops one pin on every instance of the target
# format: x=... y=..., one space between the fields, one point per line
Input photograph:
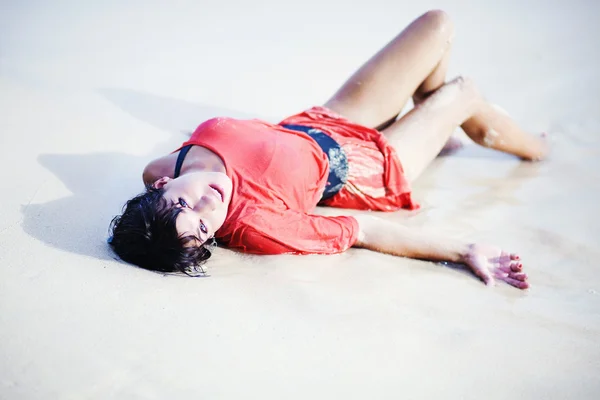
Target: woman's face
x=204 y=198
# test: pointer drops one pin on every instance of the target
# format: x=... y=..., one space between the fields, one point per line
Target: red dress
x=279 y=176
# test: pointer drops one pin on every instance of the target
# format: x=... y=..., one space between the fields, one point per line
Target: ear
x=159 y=183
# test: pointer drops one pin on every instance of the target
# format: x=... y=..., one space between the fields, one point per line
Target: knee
x=438 y=18
x=440 y=22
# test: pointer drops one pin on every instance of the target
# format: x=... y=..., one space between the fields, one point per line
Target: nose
x=207 y=203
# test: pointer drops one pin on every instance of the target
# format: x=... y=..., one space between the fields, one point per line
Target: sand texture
x=91 y=91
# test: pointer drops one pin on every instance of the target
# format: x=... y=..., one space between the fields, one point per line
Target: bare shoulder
x=158 y=168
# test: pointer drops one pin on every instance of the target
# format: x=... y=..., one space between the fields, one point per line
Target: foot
x=490 y=263
x=538 y=148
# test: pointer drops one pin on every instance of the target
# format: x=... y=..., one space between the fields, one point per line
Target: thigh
x=379 y=90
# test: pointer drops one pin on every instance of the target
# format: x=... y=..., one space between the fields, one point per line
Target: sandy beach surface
x=91 y=91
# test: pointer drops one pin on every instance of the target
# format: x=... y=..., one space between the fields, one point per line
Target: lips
x=218 y=191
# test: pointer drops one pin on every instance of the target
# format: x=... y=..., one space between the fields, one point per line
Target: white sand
x=89 y=93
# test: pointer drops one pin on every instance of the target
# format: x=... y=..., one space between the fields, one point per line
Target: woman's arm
x=487 y=262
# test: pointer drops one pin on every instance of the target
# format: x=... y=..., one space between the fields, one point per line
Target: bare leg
x=413 y=63
x=420 y=134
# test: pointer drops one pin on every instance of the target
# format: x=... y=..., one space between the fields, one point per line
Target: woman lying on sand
x=254 y=185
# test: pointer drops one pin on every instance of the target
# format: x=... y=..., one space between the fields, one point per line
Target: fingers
x=515 y=282
x=505 y=258
x=513 y=274
x=520 y=276
x=514 y=266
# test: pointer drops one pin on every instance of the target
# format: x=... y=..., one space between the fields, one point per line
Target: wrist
x=464 y=253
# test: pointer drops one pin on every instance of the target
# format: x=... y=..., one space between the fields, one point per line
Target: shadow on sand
x=101 y=182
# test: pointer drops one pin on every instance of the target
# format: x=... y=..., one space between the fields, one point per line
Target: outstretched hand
x=490 y=263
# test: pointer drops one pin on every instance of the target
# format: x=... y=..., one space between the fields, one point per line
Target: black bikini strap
x=180 y=158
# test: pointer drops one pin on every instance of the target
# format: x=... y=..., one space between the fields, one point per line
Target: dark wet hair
x=146 y=235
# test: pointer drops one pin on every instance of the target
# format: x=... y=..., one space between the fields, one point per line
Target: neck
x=202 y=159
x=198 y=159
